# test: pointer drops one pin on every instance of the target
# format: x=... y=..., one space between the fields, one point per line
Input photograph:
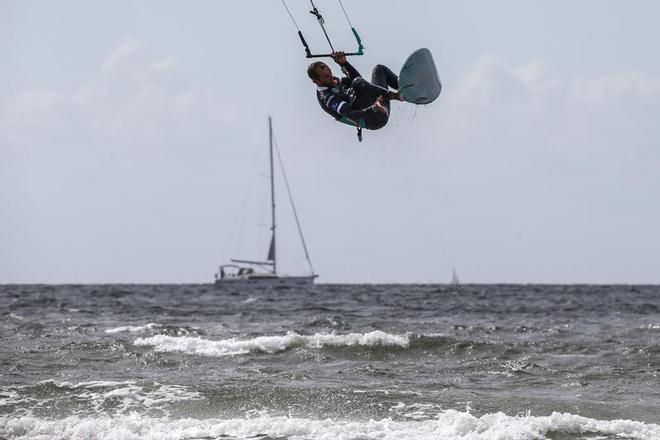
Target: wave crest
x=270 y=344
x=449 y=425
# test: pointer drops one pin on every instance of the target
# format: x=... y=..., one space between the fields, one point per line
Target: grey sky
x=133 y=142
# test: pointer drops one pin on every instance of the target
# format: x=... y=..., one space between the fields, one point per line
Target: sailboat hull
x=265 y=282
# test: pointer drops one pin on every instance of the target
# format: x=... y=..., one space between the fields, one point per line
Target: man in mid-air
x=352 y=99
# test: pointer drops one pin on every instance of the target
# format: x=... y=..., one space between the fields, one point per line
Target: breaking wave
x=153 y=328
x=132 y=328
x=271 y=344
x=448 y=425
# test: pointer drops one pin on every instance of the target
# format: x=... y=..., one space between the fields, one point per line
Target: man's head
x=320 y=74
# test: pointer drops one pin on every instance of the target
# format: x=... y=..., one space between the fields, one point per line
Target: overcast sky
x=133 y=142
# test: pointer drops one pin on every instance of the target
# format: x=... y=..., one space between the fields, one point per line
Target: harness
x=325 y=95
x=359 y=124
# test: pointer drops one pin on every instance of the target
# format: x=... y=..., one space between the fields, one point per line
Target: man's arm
x=350 y=71
x=346 y=67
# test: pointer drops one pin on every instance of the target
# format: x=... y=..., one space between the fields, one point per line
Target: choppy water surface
x=336 y=362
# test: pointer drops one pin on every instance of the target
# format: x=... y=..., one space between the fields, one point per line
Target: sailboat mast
x=273 y=251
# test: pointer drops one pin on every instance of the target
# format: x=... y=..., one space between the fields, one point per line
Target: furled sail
x=271 y=250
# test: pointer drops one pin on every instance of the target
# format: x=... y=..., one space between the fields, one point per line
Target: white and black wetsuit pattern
x=351 y=99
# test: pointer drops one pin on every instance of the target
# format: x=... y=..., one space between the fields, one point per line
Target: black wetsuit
x=351 y=99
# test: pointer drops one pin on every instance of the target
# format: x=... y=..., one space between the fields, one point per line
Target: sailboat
x=454 y=277
x=264 y=274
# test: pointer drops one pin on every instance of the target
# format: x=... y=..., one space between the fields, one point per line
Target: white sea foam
x=133 y=328
x=270 y=344
x=133 y=397
x=415 y=411
x=90 y=384
x=371 y=339
x=121 y=396
x=449 y=425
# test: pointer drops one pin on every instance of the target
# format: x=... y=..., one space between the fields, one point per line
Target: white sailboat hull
x=264 y=282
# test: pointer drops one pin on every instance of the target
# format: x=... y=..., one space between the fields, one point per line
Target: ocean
x=469 y=362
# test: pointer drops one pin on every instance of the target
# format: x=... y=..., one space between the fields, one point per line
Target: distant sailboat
x=454 y=277
x=263 y=274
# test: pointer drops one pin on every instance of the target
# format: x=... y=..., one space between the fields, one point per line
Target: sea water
x=355 y=362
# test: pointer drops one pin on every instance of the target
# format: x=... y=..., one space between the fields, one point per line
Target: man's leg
x=384 y=77
x=365 y=96
x=367 y=92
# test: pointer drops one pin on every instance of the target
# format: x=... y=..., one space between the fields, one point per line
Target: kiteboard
x=418 y=81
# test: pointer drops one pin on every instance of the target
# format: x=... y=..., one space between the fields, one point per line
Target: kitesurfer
x=352 y=99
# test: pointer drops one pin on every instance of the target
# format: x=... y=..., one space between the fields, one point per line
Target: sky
x=133 y=142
